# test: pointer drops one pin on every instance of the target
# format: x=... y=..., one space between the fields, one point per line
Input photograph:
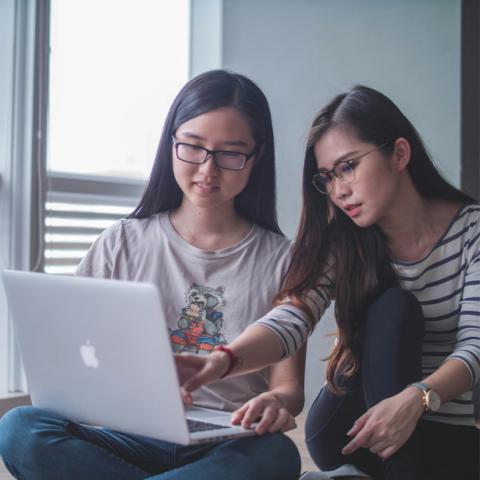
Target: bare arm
x=385 y=427
x=450 y=380
x=287 y=381
x=282 y=402
x=256 y=347
x=278 y=334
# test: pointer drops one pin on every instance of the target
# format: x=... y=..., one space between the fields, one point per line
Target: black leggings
x=391 y=341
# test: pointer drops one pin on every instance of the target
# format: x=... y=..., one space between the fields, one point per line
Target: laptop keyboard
x=197 y=426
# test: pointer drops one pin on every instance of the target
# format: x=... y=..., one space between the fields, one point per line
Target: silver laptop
x=98 y=352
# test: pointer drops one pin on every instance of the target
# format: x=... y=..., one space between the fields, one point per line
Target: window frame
x=470 y=98
x=18 y=24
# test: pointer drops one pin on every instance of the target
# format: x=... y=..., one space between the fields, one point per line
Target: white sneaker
x=344 y=472
x=328 y=476
x=314 y=476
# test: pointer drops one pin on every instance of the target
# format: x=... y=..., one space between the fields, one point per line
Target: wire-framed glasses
x=226 y=159
x=344 y=171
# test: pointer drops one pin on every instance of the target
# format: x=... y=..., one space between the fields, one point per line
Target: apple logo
x=89 y=357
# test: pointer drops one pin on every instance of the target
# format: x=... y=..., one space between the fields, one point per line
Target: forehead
x=225 y=124
x=335 y=144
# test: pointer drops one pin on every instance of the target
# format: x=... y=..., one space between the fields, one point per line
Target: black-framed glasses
x=226 y=159
x=344 y=171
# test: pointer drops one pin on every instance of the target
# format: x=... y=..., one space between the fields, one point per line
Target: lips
x=206 y=187
x=351 y=206
x=353 y=210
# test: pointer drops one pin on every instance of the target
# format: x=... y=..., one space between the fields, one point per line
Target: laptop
x=98 y=352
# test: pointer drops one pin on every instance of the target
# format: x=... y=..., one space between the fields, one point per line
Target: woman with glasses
x=398 y=248
x=206 y=233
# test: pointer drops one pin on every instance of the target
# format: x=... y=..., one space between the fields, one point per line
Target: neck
x=414 y=224
x=209 y=228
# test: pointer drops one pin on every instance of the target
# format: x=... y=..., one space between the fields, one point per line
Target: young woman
x=398 y=248
x=205 y=232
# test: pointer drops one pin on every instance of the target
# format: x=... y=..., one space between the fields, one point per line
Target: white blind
x=77 y=210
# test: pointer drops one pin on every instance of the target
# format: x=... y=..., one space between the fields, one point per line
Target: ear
x=401 y=153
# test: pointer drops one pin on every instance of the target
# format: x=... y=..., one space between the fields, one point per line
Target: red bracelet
x=233 y=359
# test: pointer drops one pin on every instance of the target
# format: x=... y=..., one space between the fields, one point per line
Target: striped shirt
x=446 y=283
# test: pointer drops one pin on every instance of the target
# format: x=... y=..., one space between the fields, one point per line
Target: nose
x=340 y=189
x=209 y=167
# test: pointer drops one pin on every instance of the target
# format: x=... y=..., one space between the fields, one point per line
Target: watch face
x=433 y=400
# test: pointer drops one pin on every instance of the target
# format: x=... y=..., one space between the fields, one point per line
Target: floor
x=296 y=435
x=4 y=475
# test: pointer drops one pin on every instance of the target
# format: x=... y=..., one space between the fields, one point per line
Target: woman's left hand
x=385 y=427
x=274 y=416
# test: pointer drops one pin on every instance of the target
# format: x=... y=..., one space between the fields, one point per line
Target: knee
x=286 y=455
x=13 y=426
x=20 y=433
x=395 y=310
x=273 y=455
x=320 y=441
x=283 y=445
x=323 y=450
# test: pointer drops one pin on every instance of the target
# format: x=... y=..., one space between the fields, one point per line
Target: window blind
x=77 y=210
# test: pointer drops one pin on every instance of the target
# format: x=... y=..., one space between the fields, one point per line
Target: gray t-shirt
x=208 y=297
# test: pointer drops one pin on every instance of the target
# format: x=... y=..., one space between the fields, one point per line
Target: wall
x=304 y=52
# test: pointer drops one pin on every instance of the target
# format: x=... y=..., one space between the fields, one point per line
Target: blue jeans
x=391 y=348
x=38 y=444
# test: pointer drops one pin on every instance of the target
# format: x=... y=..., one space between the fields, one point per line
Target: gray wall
x=303 y=52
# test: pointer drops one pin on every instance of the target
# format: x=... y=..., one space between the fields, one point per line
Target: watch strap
x=424 y=388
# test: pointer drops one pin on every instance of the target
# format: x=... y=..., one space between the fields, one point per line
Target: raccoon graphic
x=200 y=326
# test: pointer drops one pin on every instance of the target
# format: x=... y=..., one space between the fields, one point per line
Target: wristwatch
x=431 y=399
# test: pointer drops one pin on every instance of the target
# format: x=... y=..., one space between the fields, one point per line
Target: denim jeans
x=38 y=444
x=391 y=341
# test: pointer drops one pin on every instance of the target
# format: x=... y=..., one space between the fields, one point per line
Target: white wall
x=303 y=52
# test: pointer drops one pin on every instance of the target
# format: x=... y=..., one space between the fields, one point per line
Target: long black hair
x=204 y=93
x=361 y=261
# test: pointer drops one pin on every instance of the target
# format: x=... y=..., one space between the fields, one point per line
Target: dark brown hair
x=361 y=263
x=206 y=92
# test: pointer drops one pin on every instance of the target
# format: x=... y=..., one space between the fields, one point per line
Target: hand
x=274 y=416
x=197 y=370
x=385 y=427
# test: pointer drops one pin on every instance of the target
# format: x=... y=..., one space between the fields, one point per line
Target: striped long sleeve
x=467 y=347
x=291 y=323
x=446 y=283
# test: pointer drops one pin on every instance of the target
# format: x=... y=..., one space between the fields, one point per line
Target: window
x=110 y=88
x=109 y=92
x=17 y=27
x=103 y=74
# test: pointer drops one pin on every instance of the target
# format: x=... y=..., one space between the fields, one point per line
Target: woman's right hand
x=197 y=370
x=266 y=409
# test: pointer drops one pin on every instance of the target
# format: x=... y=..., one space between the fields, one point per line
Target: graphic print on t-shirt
x=200 y=326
